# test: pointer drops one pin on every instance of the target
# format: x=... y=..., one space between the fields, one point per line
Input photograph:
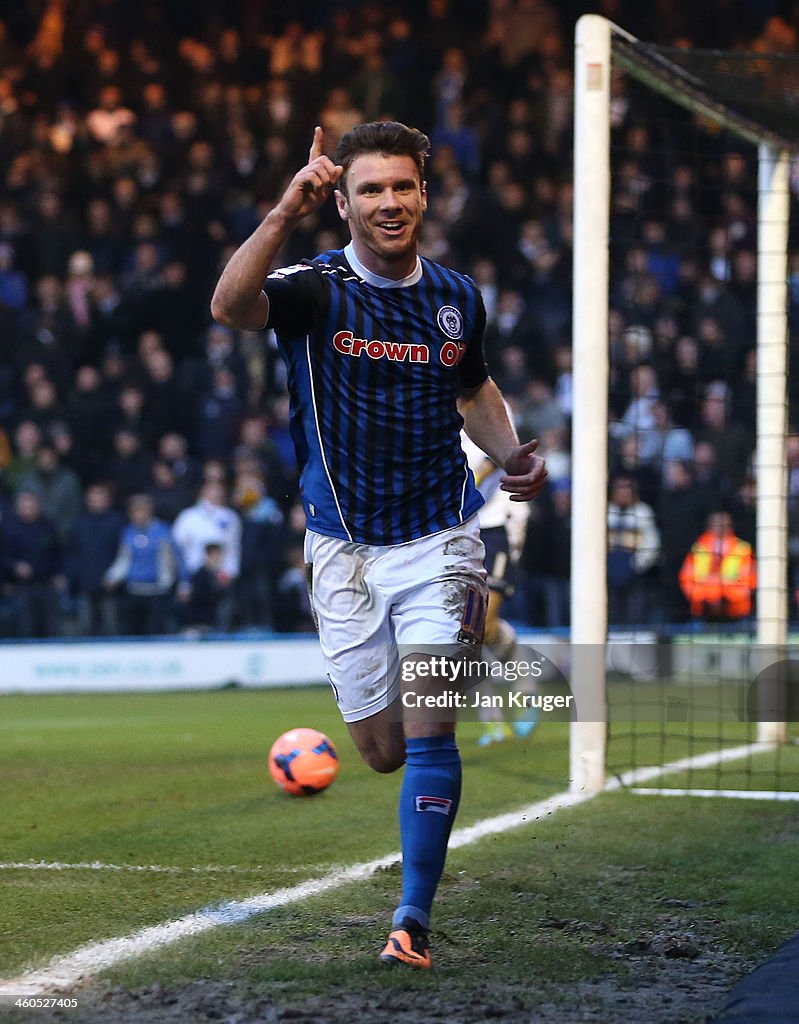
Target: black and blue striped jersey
x=374 y=372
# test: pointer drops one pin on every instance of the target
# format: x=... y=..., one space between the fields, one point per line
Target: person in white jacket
x=503 y=524
x=210 y=521
x=633 y=550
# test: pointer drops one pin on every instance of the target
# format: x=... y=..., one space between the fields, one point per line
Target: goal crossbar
x=656 y=68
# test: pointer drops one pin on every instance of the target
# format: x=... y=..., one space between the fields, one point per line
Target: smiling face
x=383 y=205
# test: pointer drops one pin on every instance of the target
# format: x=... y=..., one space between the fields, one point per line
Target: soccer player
x=385 y=364
x=503 y=525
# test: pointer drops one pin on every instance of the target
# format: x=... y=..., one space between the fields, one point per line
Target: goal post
x=600 y=48
x=590 y=400
x=772 y=416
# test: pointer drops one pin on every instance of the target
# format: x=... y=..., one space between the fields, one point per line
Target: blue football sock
x=428 y=803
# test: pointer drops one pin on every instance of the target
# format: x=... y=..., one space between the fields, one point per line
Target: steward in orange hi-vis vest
x=718 y=576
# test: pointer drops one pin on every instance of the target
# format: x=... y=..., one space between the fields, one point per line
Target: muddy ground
x=669 y=985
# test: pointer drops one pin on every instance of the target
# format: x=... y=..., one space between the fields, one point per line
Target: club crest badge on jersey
x=450 y=321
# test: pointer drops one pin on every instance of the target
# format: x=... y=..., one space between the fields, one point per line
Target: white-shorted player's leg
x=500 y=645
x=431 y=620
x=491 y=714
x=373 y=603
x=352 y=614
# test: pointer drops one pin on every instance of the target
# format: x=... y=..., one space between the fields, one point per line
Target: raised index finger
x=316 y=145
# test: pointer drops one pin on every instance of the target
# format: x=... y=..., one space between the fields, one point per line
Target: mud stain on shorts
x=461 y=547
x=354 y=565
x=453 y=593
x=367 y=667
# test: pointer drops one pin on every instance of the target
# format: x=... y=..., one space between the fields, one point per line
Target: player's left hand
x=526 y=473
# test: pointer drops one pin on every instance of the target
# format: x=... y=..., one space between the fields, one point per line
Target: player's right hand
x=311 y=186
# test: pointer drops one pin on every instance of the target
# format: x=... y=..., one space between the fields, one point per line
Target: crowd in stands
x=147 y=476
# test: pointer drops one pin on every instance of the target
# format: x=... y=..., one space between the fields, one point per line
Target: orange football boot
x=408 y=944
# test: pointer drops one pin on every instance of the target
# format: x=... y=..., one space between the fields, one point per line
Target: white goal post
x=594 y=61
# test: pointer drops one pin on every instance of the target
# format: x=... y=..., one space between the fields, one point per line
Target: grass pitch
x=645 y=908
x=172 y=792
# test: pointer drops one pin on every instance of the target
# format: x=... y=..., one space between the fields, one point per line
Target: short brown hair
x=390 y=137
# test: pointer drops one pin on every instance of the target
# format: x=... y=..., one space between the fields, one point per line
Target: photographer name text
x=512 y=699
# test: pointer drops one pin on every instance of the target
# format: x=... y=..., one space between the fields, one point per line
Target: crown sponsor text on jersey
x=396 y=351
x=452 y=352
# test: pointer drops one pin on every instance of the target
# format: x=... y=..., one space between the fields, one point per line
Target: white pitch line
x=64 y=972
x=725 y=794
x=96 y=865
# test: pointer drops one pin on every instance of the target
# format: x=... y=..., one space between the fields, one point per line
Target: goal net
x=682 y=592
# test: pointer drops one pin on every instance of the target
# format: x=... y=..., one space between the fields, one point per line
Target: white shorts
x=368 y=599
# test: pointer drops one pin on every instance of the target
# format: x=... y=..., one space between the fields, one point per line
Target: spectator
x=79 y=288
x=255 y=443
x=57 y=487
x=633 y=551
x=279 y=432
x=663 y=442
x=146 y=568
x=173 y=306
x=169 y=495
x=512 y=374
x=261 y=550
x=32 y=562
x=376 y=91
x=743 y=509
x=681 y=511
x=87 y=405
x=109 y=117
x=554 y=448
x=209 y=521
x=27 y=439
x=538 y=409
x=210 y=605
x=220 y=352
x=546 y=557
x=90 y=550
x=627 y=462
x=13 y=283
x=513 y=325
x=219 y=414
x=717 y=357
x=50 y=334
x=463 y=140
x=717 y=303
x=638 y=416
x=130 y=414
x=732 y=445
x=718 y=576
x=115 y=369
x=44 y=406
x=111 y=319
x=129 y=469
x=293 y=612
x=684 y=384
x=173 y=449
x=744 y=393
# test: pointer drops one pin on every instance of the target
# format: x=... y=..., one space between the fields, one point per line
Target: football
x=303 y=762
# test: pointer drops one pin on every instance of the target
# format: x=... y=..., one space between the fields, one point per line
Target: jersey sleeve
x=473 y=369
x=297 y=295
